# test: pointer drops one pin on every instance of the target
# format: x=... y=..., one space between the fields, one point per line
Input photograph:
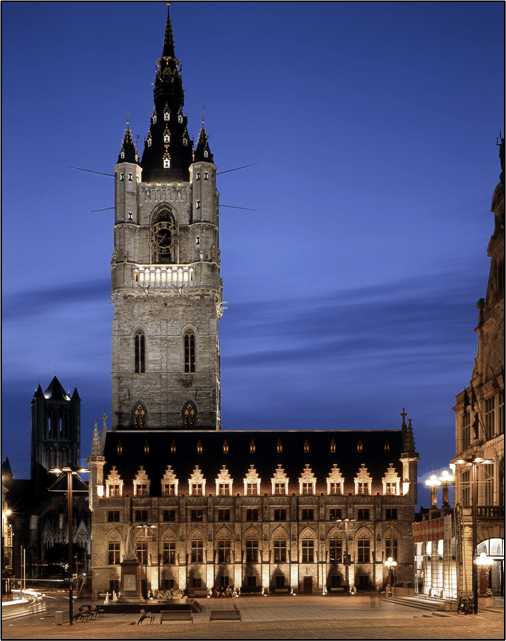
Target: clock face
x=163 y=237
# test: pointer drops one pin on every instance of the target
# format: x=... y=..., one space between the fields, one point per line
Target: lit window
x=197 y=489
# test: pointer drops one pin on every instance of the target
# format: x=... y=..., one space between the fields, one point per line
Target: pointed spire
x=168 y=41
x=95 y=446
x=38 y=392
x=55 y=391
x=128 y=153
x=203 y=151
x=167 y=160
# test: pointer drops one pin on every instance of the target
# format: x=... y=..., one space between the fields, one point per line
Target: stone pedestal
x=130 y=579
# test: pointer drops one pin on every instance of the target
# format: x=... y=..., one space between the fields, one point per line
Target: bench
x=280 y=590
x=176 y=615
x=197 y=592
x=337 y=589
x=96 y=611
x=225 y=615
x=80 y=616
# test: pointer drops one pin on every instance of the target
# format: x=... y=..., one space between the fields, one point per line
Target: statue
x=129 y=544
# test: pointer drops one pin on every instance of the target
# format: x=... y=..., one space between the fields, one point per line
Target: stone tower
x=56 y=429
x=166 y=285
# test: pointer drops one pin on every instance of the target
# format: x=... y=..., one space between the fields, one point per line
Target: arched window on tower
x=189 y=351
x=189 y=416
x=140 y=349
x=139 y=417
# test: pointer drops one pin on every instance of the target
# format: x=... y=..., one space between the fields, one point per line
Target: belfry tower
x=56 y=429
x=166 y=285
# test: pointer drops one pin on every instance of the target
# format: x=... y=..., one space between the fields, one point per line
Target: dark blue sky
x=352 y=289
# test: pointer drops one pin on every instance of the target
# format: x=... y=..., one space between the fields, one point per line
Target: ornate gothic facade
x=304 y=511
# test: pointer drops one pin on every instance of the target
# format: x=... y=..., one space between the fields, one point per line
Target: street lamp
x=390 y=563
x=433 y=483
x=66 y=472
x=484 y=563
x=446 y=479
x=474 y=462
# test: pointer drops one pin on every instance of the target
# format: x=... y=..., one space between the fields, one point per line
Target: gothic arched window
x=139 y=417
x=189 y=351
x=189 y=416
x=140 y=350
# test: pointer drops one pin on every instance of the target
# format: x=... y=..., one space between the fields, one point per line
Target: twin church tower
x=166 y=285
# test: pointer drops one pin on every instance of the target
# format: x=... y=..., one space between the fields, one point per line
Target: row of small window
x=277 y=514
x=252 y=489
x=252 y=551
x=140 y=352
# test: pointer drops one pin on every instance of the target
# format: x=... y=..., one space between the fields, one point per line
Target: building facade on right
x=479 y=410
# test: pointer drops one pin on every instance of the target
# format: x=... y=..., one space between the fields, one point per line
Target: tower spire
x=168 y=41
x=167 y=151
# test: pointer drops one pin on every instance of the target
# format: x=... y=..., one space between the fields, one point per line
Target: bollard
x=58 y=617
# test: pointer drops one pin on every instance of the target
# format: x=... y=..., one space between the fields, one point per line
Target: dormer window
x=180 y=119
x=306 y=447
x=206 y=154
x=166 y=114
x=185 y=142
x=172 y=448
x=166 y=136
x=122 y=155
x=386 y=446
x=166 y=163
x=146 y=448
x=199 y=447
x=252 y=447
x=225 y=447
x=279 y=447
x=360 y=445
x=332 y=445
x=119 y=448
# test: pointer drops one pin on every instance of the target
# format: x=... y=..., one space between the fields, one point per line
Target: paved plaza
x=297 y=617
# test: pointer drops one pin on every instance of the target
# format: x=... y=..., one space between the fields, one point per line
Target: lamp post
x=390 y=563
x=484 y=564
x=446 y=479
x=66 y=472
x=474 y=462
x=433 y=483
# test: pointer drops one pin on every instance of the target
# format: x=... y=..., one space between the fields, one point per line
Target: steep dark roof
x=55 y=391
x=265 y=459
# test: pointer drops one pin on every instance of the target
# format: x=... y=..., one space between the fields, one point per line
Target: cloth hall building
x=176 y=501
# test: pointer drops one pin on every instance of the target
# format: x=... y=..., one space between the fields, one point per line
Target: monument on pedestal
x=130 y=570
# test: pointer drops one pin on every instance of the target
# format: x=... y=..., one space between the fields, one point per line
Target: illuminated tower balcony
x=163 y=276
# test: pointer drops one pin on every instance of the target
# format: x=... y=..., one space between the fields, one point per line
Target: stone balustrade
x=163 y=276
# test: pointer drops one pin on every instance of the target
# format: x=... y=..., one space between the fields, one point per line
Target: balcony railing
x=163 y=276
x=490 y=512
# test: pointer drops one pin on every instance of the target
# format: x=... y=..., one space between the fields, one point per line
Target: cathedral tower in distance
x=166 y=285
x=56 y=429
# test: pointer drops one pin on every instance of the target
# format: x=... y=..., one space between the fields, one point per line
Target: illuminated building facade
x=188 y=505
x=479 y=413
